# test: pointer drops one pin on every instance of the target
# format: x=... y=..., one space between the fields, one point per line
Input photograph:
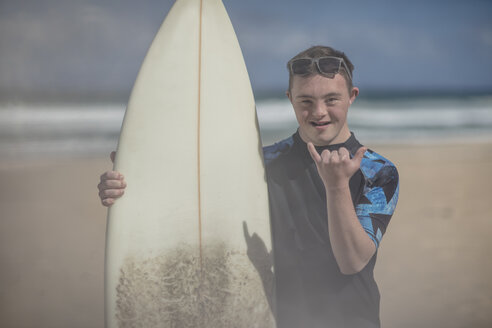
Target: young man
x=330 y=199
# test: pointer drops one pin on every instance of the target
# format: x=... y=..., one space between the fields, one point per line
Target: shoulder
x=377 y=169
x=272 y=152
x=381 y=185
x=377 y=204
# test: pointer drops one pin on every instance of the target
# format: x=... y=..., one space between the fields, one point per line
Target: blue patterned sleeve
x=377 y=204
x=271 y=152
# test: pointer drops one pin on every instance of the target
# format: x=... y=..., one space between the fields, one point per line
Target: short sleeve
x=380 y=195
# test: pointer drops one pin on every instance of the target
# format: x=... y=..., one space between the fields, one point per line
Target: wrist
x=337 y=187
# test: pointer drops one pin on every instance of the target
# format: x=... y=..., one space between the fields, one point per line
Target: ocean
x=46 y=130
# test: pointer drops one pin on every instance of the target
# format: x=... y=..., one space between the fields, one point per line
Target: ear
x=353 y=94
x=289 y=95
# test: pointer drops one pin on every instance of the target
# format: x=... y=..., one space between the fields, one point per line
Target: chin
x=324 y=139
x=318 y=139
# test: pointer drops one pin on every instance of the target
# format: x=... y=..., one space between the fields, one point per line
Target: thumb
x=359 y=154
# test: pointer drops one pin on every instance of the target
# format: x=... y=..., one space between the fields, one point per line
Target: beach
x=433 y=266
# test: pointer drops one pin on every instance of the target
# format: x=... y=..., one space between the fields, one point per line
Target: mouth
x=319 y=124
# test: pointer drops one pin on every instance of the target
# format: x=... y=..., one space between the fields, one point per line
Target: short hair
x=323 y=51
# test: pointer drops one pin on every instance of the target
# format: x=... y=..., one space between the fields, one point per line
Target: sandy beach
x=433 y=268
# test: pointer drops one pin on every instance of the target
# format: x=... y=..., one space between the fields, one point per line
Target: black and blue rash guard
x=311 y=291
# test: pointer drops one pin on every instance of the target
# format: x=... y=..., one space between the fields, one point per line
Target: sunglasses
x=327 y=66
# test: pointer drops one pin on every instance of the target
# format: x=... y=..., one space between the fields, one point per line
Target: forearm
x=351 y=245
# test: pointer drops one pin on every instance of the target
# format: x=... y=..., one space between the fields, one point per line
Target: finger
x=334 y=157
x=107 y=202
x=313 y=152
x=111 y=193
x=359 y=155
x=344 y=154
x=111 y=175
x=325 y=156
x=113 y=184
x=112 y=156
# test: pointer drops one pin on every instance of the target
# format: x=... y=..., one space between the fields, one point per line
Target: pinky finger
x=107 y=202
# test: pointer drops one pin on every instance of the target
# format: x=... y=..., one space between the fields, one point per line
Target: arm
x=111 y=186
x=351 y=245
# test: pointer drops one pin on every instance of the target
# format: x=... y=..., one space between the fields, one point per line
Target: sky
x=97 y=46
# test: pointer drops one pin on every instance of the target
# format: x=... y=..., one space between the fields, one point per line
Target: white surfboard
x=196 y=204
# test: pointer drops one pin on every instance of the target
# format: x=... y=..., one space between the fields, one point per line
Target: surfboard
x=189 y=243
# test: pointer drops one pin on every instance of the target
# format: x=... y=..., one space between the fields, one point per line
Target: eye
x=331 y=100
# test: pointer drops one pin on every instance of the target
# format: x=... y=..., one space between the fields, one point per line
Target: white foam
x=94 y=128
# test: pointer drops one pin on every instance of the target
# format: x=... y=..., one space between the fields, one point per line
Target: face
x=321 y=105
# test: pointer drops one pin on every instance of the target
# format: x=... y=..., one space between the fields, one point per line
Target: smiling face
x=321 y=105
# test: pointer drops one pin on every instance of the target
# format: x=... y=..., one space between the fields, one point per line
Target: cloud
x=73 y=46
x=274 y=40
x=89 y=44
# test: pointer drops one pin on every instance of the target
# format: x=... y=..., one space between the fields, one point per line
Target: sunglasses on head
x=328 y=66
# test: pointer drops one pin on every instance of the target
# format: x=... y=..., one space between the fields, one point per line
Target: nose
x=319 y=110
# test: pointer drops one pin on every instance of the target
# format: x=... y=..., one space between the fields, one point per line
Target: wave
x=392 y=114
x=94 y=128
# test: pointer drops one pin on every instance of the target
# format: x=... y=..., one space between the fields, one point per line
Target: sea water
x=35 y=129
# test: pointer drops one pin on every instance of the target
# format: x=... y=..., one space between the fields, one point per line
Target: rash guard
x=310 y=289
